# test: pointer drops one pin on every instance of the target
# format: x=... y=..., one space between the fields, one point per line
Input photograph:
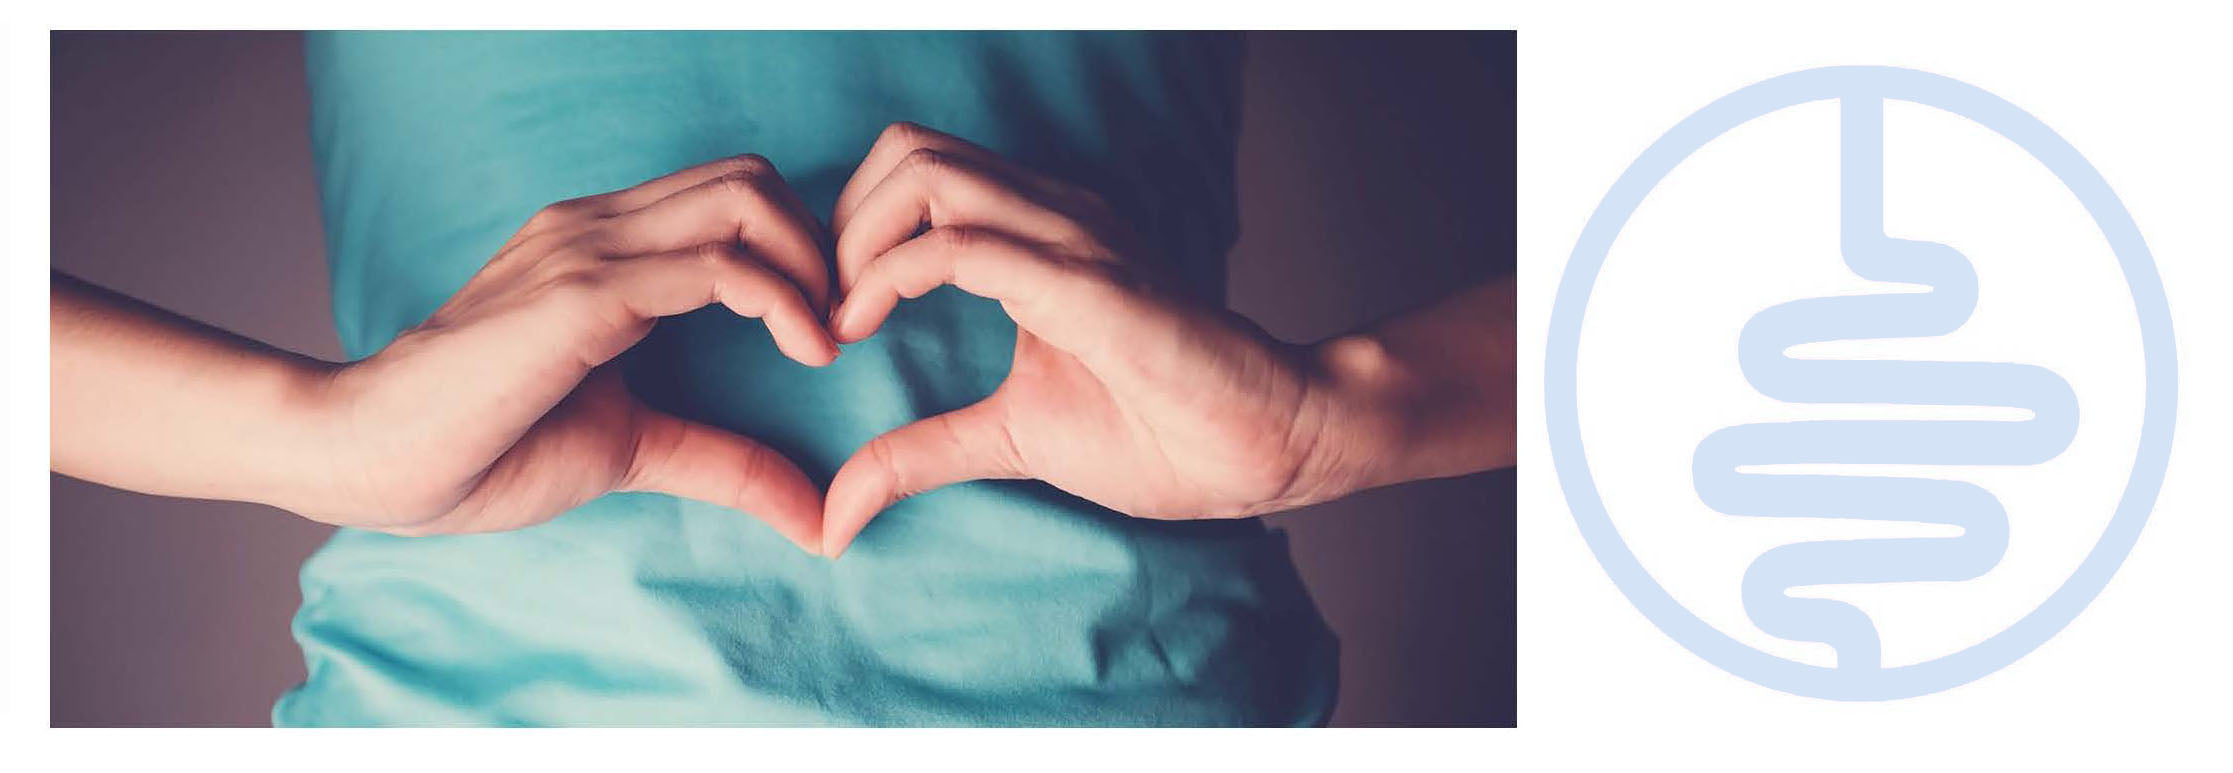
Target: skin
x=1130 y=397
x=498 y=412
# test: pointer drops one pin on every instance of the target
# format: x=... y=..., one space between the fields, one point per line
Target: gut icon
x=1944 y=306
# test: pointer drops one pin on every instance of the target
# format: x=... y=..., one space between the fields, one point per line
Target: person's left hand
x=1133 y=398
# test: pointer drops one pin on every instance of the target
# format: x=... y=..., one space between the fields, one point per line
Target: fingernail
x=841 y=321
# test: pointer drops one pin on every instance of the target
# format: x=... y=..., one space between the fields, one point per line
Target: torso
x=985 y=603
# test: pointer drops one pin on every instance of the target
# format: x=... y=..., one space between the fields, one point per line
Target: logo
x=1940 y=293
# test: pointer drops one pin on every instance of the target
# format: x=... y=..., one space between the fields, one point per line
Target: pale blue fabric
x=984 y=603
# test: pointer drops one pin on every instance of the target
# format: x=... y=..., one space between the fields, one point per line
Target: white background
x=2139 y=677
x=2141 y=673
x=1751 y=220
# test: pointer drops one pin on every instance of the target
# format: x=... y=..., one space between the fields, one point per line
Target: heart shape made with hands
x=1145 y=403
x=503 y=409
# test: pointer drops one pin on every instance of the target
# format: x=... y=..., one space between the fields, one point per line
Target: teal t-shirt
x=985 y=603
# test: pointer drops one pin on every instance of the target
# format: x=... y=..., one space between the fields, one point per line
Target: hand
x=498 y=412
x=1126 y=396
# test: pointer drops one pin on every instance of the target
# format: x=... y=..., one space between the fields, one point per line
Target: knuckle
x=654 y=451
x=887 y=465
x=958 y=238
x=752 y=164
x=904 y=134
x=926 y=162
x=743 y=184
x=559 y=213
x=755 y=466
x=715 y=255
x=720 y=267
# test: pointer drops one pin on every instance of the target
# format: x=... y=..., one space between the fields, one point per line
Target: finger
x=696 y=461
x=645 y=193
x=1059 y=300
x=675 y=282
x=639 y=195
x=969 y=444
x=750 y=208
x=935 y=189
x=899 y=140
x=748 y=164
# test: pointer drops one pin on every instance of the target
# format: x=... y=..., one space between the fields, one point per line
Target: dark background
x=1376 y=173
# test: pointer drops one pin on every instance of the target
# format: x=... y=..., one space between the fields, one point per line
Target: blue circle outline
x=2075 y=173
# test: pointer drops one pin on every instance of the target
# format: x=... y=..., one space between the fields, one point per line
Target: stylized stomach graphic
x=1943 y=307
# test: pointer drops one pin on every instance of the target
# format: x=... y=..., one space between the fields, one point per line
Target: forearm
x=151 y=402
x=1426 y=394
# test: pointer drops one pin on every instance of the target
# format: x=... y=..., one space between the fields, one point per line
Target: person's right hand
x=497 y=412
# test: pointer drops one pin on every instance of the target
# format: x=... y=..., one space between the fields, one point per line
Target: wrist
x=1360 y=400
x=307 y=421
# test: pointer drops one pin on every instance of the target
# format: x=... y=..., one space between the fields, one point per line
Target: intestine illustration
x=1945 y=305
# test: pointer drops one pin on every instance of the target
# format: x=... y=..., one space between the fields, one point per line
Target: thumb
x=969 y=444
x=709 y=464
